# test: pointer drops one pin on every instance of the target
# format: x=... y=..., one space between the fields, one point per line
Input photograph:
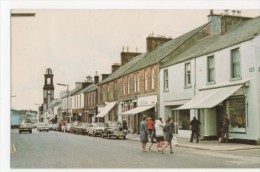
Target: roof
x=123 y=68
x=92 y=88
x=163 y=50
x=85 y=89
x=240 y=33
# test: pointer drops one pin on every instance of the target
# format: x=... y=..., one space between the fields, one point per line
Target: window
x=124 y=82
x=138 y=82
x=187 y=74
x=48 y=81
x=165 y=79
x=79 y=100
x=115 y=90
x=128 y=85
x=108 y=92
x=152 y=77
x=101 y=93
x=135 y=82
x=235 y=63
x=211 y=69
x=184 y=119
x=145 y=80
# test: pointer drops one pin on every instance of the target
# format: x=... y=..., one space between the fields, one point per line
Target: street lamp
x=66 y=85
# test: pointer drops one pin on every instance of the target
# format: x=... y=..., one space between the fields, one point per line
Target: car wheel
x=20 y=132
x=124 y=137
x=94 y=134
x=40 y=130
x=109 y=136
x=31 y=131
x=47 y=130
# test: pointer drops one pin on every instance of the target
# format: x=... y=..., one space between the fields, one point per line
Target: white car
x=96 y=129
x=43 y=127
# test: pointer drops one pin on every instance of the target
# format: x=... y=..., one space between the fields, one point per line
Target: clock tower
x=48 y=88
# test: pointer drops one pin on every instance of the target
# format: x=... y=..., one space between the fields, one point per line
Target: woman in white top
x=159 y=135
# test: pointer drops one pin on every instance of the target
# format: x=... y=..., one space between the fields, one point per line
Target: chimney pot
x=233 y=12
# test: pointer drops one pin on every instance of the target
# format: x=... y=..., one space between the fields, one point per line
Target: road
x=64 y=150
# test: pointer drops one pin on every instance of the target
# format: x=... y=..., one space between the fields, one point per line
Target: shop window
x=236 y=112
x=184 y=120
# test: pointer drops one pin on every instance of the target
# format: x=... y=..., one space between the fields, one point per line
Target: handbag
x=174 y=141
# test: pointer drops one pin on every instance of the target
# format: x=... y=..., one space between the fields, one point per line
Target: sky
x=76 y=43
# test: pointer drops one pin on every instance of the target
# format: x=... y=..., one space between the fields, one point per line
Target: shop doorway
x=219 y=121
x=175 y=117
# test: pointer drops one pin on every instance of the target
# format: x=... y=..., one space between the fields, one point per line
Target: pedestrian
x=150 y=127
x=159 y=125
x=195 y=129
x=153 y=139
x=225 y=129
x=168 y=129
x=124 y=127
x=143 y=133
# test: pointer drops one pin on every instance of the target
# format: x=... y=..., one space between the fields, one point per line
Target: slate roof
x=240 y=33
x=162 y=51
x=92 y=88
x=85 y=89
x=123 y=68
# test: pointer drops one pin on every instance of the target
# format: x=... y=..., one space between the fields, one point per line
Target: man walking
x=225 y=129
x=194 y=129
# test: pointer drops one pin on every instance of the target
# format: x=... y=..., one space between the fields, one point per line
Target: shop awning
x=106 y=109
x=210 y=97
x=137 y=110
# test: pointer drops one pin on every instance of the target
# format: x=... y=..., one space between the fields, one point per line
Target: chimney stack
x=226 y=12
x=89 y=78
x=238 y=12
x=115 y=66
x=96 y=78
x=127 y=56
x=153 y=42
x=211 y=12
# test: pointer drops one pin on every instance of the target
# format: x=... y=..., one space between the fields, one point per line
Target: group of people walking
x=158 y=132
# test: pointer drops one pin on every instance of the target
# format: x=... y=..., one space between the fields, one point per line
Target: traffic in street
x=55 y=149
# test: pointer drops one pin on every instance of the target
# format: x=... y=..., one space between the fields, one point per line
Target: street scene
x=64 y=150
x=135 y=88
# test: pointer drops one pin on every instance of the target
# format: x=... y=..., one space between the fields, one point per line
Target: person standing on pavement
x=168 y=129
x=195 y=125
x=159 y=125
x=150 y=125
x=143 y=133
x=153 y=139
x=225 y=129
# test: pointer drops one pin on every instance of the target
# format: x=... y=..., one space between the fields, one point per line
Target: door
x=220 y=117
x=175 y=117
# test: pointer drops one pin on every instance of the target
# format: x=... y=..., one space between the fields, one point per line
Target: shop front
x=145 y=106
x=210 y=106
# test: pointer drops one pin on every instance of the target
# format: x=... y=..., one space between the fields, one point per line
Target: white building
x=217 y=75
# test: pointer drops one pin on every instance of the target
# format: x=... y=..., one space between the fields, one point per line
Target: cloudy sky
x=76 y=43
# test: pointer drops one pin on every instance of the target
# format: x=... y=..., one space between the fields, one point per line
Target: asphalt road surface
x=64 y=150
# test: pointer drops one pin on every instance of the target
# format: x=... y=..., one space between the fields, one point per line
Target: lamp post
x=66 y=85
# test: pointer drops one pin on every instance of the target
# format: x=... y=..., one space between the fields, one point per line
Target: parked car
x=53 y=127
x=96 y=129
x=67 y=127
x=25 y=127
x=114 y=129
x=43 y=127
x=73 y=127
x=82 y=128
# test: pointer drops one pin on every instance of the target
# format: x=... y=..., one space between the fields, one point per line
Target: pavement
x=213 y=145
